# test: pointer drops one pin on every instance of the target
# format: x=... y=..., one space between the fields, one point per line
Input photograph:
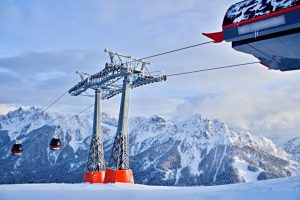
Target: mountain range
x=196 y=151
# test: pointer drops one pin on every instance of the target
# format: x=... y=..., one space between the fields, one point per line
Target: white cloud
x=265 y=107
x=48 y=76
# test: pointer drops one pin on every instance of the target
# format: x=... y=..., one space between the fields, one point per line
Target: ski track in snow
x=276 y=189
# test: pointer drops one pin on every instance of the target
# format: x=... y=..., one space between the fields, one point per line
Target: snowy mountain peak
x=108 y=119
x=22 y=112
x=212 y=130
x=158 y=119
x=293 y=148
x=197 y=151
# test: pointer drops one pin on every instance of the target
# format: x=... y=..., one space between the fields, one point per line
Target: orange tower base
x=118 y=176
x=124 y=176
x=87 y=177
x=94 y=177
x=110 y=175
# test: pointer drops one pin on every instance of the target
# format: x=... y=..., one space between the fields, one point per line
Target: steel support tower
x=119 y=170
x=96 y=164
x=119 y=76
x=120 y=153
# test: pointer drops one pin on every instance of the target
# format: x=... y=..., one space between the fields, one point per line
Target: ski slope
x=281 y=189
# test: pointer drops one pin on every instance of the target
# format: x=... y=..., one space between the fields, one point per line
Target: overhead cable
x=211 y=69
x=175 y=50
x=55 y=101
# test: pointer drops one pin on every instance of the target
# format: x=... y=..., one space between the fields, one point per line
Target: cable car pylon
x=96 y=164
x=118 y=77
x=119 y=159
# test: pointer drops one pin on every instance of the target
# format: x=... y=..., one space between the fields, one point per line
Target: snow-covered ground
x=281 y=189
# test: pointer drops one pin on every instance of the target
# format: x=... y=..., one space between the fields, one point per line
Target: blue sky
x=43 y=43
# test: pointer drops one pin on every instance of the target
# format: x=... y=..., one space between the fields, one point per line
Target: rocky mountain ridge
x=197 y=151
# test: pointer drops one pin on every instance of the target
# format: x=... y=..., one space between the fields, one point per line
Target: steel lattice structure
x=96 y=160
x=109 y=80
x=119 y=76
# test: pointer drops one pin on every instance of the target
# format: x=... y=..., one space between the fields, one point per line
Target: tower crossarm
x=109 y=79
x=111 y=93
x=144 y=80
x=140 y=81
x=99 y=80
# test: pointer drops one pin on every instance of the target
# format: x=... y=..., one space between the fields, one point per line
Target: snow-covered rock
x=293 y=148
x=197 y=151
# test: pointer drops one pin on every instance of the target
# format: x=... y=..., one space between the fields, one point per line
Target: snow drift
x=279 y=189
